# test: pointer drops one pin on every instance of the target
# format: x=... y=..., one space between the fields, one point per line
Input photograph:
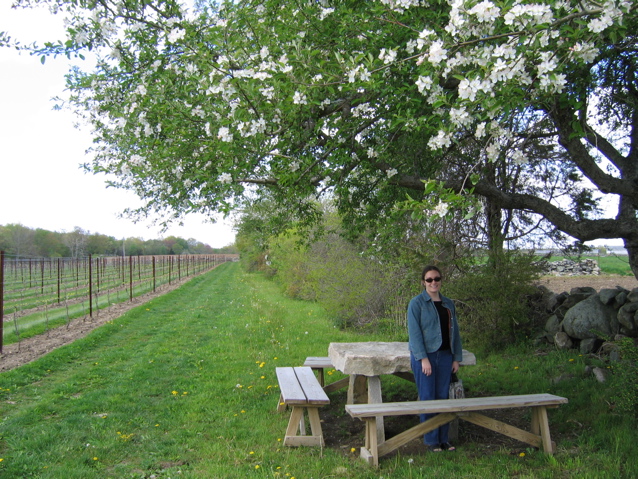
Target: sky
x=41 y=182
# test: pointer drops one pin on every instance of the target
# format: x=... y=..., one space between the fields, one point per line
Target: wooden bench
x=320 y=364
x=300 y=389
x=448 y=410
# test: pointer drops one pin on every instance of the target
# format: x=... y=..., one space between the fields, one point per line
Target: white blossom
x=492 y=151
x=224 y=134
x=548 y=63
x=519 y=158
x=480 y=130
x=597 y=25
x=437 y=53
x=176 y=34
x=485 y=11
x=424 y=83
x=441 y=209
x=387 y=55
x=585 y=52
x=299 y=98
x=441 y=140
x=225 y=178
x=469 y=88
x=391 y=172
x=115 y=54
x=268 y=92
x=325 y=12
x=460 y=116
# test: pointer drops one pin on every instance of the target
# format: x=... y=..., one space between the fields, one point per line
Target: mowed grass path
x=184 y=386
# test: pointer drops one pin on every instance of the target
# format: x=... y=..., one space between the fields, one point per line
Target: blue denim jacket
x=424 y=328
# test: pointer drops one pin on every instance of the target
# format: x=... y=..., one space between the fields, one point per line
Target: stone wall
x=567 y=267
x=584 y=318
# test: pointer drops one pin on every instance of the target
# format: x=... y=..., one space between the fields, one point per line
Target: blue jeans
x=434 y=386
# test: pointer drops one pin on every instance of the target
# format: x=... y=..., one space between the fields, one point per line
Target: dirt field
x=30 y=349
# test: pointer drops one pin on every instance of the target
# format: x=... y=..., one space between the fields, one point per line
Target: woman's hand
x=426 y=367
x=455 y=366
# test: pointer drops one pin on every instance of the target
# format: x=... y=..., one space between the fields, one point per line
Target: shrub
x=494 y=302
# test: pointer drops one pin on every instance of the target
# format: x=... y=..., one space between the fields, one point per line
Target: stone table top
x=375 y=358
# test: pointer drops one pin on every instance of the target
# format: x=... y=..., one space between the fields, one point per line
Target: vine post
x=1 y=299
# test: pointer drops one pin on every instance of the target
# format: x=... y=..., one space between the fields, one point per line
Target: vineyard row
x=28 y=284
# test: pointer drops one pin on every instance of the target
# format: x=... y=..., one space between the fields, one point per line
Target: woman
x=435 y=349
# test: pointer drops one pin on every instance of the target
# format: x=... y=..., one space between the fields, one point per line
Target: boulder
x=620 y=299
x=555 y=300
x=563 y=341
x=600 y=374
x=627 y=319
x=633 y=296
x=608 y=295
x=552 y=326
x=588 y=290
x=588 y=318
x=574 y=298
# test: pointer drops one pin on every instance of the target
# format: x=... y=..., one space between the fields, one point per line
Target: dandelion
x=353 y=449
x=174 y=393
x=522 y=454
x=515 y=367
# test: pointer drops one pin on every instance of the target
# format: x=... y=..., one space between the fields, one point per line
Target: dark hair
x=430 y=268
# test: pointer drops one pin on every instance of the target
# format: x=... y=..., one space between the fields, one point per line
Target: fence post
x=130 y=277
x=90 y=287
x=1 y=299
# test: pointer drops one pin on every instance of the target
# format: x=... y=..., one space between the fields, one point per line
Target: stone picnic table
x=365 y=362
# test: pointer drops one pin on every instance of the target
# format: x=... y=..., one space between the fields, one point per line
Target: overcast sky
x=41 y=184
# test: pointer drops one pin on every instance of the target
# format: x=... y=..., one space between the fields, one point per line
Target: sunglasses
x=429 y=280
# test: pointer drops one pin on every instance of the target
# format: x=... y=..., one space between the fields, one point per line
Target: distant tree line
x=21 y=241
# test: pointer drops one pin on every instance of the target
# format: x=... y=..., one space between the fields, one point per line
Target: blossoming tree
x=365 y=101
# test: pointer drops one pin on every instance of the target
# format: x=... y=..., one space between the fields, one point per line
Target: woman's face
x=432 y=282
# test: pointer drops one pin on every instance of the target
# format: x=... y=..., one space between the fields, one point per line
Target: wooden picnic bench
x=450 y=409
x=301 y=390
x=320 y=364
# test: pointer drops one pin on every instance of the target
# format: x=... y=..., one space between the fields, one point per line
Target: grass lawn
x=185 y=386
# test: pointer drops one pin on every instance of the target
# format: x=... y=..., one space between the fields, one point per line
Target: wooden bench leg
x=296 y=431
x=370 y=452
x=541 y=423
